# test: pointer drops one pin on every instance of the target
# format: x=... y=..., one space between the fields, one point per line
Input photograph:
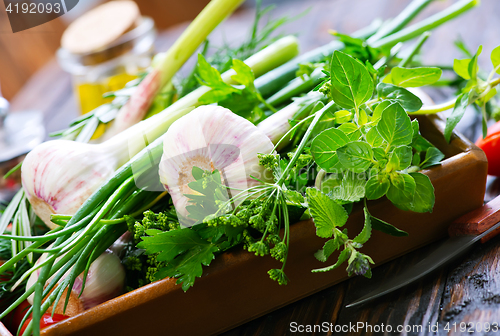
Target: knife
x=481 y=224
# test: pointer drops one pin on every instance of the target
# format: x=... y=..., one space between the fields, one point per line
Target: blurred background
x=23 y=53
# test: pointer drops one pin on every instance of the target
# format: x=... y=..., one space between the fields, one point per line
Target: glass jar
x=109 y=68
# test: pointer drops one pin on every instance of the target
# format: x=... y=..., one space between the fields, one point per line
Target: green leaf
x=401 y=190
x=244 y=74
x=433 y=157
x=473 y=68
x=423 y=198
x=209 y=76
x=188 y=266
x=414 y=77
x=170 y=244
x=456 y=115
x=387 y=228
x=495 y=59
x=325 y=145
x=342 y=116
x=408 y=100
x=357 y=156
x=376 y=187
x=331 y=246
x=461 y=67
x=344 y=255
x=379 y=109
x=326 y=213
x=352 y=84
x=395 y=126
x=366 y=233
x=416 y=129
x=373 y=137
x=400 y=158
x=348 y=128
x=351 y=188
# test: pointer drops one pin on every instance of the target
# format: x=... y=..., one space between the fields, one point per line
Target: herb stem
x=415 y=49
x=305 y=139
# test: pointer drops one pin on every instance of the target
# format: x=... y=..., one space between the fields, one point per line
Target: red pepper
x=46 y=320
x=491 y=147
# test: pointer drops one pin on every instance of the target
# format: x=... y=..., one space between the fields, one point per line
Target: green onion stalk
x=78 y=232
x=166 y=65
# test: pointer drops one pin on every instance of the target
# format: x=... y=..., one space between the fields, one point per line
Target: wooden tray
x=236 y=288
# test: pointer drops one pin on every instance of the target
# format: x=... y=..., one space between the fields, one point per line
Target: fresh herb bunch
x=362 y=141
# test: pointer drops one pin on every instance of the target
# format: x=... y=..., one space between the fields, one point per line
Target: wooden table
x=468 y=291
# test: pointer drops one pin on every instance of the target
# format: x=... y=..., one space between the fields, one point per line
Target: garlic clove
x=211 y=138
x=105 y=281
x=58 y=176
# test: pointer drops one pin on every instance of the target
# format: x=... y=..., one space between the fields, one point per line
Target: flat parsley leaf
x=188 y=266
x=170 y=244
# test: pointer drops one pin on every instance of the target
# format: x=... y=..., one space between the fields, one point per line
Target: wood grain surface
x=465 y=292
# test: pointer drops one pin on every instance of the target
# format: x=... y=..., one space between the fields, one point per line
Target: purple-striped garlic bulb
x=212 y=138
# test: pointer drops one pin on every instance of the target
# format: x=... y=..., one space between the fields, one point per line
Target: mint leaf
x=414 y=77
x=188 y=266
x=376 y=187
x=326 y=213
x=366 y=233
x=433 y=157
x=408 y=100
x=401 y=190
x=356 y=156
x=461 y=68
x=395 y=126
x=456 y=115
x=495 y=59
x=170 y=244
x=352 y=84
x=387 y=228
x=325 y=145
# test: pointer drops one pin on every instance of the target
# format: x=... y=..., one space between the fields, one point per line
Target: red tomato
x=18 y=315
x=491 y=147
x=45 y=321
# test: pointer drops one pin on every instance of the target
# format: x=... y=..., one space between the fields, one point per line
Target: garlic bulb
x=59 y=175
x=211 y=138
x=105 y=280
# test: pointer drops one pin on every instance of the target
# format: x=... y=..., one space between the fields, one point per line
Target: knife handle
x=477 y=221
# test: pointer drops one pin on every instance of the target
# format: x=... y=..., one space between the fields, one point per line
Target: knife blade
x=481 y=224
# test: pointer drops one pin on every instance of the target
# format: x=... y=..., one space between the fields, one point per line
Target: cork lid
x=101 y=27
